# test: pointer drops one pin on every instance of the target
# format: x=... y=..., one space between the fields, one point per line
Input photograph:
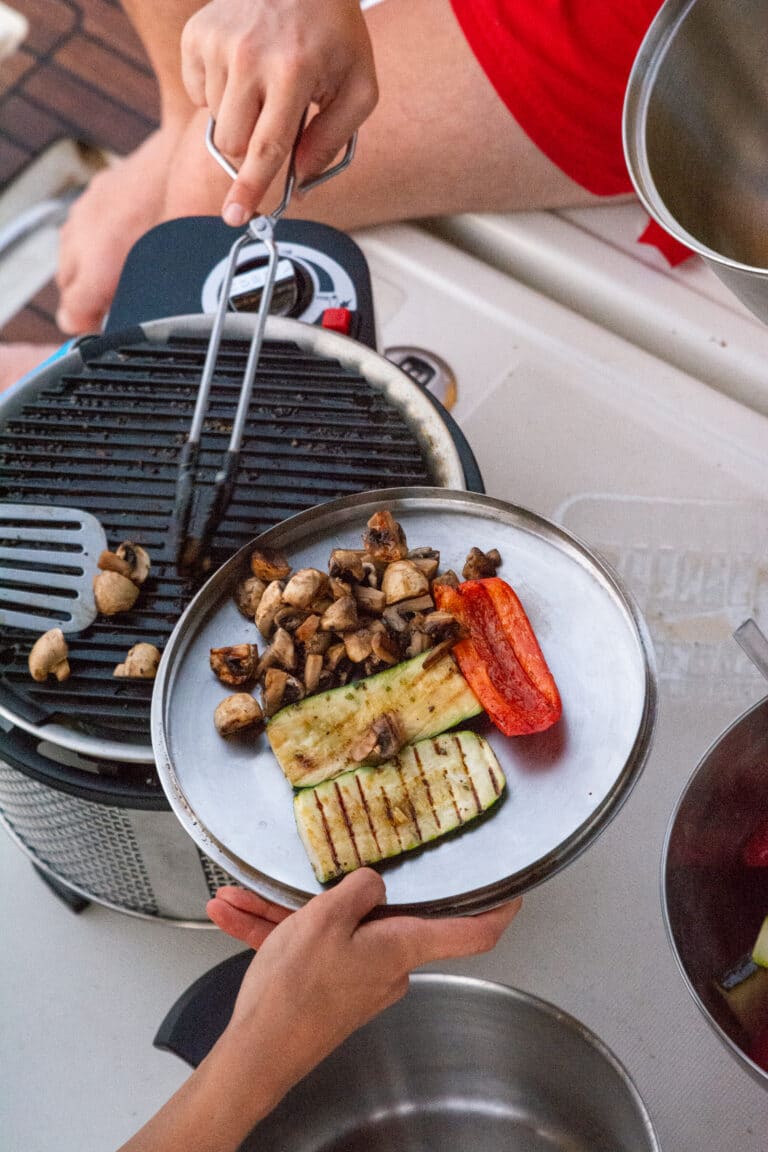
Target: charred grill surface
x=107 y=440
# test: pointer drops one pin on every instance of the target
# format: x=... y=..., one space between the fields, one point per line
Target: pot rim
x=642 y=78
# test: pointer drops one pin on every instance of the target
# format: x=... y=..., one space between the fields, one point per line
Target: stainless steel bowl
x=696 y=135
x=464 y=1064
x=713 y=905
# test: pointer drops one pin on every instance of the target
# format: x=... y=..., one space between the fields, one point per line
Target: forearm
x=216 y=1108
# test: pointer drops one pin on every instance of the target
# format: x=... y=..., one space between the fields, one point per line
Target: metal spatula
x=47 y=562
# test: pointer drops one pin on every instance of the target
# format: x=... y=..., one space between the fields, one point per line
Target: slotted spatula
x=47 y=563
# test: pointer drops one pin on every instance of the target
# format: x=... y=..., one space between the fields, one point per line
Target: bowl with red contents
x=715 y=887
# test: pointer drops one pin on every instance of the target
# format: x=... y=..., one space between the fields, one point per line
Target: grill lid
x=101 y=430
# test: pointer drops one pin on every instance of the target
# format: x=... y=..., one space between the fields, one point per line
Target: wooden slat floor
x=81 y=74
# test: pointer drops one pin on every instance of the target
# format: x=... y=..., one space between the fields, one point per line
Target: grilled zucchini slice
x=371 y=814
x=313 y=740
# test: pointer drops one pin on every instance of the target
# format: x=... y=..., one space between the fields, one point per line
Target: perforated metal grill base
x=129 y=860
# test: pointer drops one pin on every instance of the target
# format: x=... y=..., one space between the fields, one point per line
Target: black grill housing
x=106 y=439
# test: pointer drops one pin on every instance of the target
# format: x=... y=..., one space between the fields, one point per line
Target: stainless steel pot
x=714 y=905
x=468 y=1065
x=696 y=136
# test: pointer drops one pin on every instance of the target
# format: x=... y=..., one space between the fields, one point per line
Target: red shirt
x=561 y=67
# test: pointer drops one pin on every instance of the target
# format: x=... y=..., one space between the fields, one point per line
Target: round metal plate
x=563 y=786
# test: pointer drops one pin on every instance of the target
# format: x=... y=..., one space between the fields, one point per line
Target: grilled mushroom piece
x=402 y=580
x=137 y=559
x=448 y=578
x=305 y=586
x=346 y=564
x=281 y=651
x=235 y=665
x=48 y=656
x=382 y=741
x=269 y=564
x=313 y=667
x=140 y=663
x=237 y=712
x=384 y=539
x=280 y=689
x=248 y=595
x=369 y=599
x=480 y=565
x=271 y=601
x=440 y=625
x=341 y=616
x=114 y=593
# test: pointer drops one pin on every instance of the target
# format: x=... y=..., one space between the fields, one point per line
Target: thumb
x=352 y=899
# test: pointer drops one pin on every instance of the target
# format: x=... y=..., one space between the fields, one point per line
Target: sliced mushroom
x=393 y=620
x=418 y=643
x=402 y=580
x=370 y=574
x=449 y=578
x=235 y=665
x=289 y=618
x=420 y=604
x=114 y=593
x=440 y=625
x=248 y=595
x=269 y=604
x=307 y=629
x=346 y=564
x=334 y=656
x=341 y=616
x=358 y=645
x=111 y=562
x=480 y=565
x=137 y=559
x=339 y=588
x=313 y=666
x=280 y=689
x=369 y=599
x=384 y=539
x=319 y=643
x=48 y=656
x=304 y=586
x=382 y=741
x=283 y=649
x=237 y=712
x=140 y=663
x=385 y=649
x=269 y=564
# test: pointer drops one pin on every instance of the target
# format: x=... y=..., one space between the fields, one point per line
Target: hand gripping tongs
x=192 y=543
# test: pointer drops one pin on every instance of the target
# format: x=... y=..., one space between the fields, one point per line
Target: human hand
x=324 y=971
x=258 y=65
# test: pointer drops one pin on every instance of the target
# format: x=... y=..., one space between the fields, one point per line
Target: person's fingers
x=192 y=68
x=215 y=87
x=81 y=308
x=246 y=901
x=252 y=930
x=268 y=149
x=352 y=899
x=444 y=939
x=238 y=113
x=331 y=129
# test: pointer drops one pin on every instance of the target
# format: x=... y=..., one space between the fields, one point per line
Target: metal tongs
x=191 y=543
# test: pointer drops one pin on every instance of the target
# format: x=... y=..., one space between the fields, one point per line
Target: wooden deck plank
x=28 y=126
x=107 y=24
x=50 y=22
x=121 y=80
x=92 y=115
x=13 y=69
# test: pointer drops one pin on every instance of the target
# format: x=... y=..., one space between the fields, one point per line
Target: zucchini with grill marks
x=317 y=738
x=429 y=789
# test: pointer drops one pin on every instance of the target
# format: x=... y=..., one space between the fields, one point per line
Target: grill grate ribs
x=107 y=440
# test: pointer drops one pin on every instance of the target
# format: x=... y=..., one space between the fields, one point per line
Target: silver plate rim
x=420 y=498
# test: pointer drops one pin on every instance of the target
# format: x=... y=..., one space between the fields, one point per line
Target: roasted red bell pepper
x=755 y=851
x=500 y=657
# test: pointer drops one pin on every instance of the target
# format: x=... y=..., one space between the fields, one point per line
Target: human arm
x=257 y=66
x=319 y=974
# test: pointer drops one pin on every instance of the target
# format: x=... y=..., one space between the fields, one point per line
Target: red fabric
x=561 y=67
x=671 y=249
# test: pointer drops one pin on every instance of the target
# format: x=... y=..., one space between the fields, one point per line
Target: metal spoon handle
x=755 y=643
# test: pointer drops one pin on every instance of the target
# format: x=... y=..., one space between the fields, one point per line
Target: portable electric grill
x=101 y=429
